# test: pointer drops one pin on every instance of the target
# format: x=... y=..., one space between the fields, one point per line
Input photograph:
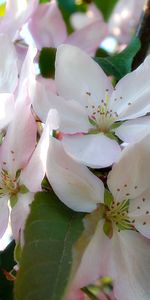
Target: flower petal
x=6 y=109
x=139 y=213
x=129 y=177
x=4 y=215
x=47 y=26
x=33 y=174
x=77 y=74
x=89 y=37
x=133 y=130
x=72 y=115
x=125 y=257
x=93 y=150
x=19 y=215
x=16 y=15
x=132 y=93
x=73 y=183
x=20 y=139
x=8 y=65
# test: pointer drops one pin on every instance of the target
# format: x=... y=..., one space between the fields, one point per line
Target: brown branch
x=143 y=33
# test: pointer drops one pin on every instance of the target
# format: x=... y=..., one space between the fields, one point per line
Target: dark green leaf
x=120 y=64
x=6 y=264
x=106 y=7
x=50 y=233
x=47 y=62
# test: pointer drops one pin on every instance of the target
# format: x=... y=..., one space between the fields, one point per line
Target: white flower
x=112 y=243
x=91 y=110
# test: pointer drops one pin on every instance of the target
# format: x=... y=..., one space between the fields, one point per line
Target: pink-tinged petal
x=89 y=37
x=33 y=174
x=16 y=15
x=6 y=109
x=93 y=150
x=80 y=20
x=8 y=65
x=125 y=258
x=47 y=26
x=93 y=262
x=139 y=213
x=132 y=93
x=77 y=74
x=21 y=50
x=19 y=215
x=133 y=130
x=73 y=183
x=129 y=177
x=4 y=215
x=20 y=139
x=27 y=73
x=73 y=116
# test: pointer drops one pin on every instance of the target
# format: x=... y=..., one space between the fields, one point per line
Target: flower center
x=101 y=116
x=8 y=185
x=117 y=213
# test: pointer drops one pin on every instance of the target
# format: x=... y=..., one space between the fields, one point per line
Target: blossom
x=16 y=15
x=124 y=19
x=48 y=29
x=15 y=151
x=113 y=243
x=91 y=110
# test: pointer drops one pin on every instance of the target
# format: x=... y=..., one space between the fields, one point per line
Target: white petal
x=73 y=116
x=132 y=93
x=125 y=258
x=73 y=183
x=93 y=150
x=33 y=174
x=19 y=215
x=8 y=65
x=133 y=130
x=4 y=215
x=77 y=74
x=129 y=177
x=28 y=68
x=89 y=37
x=139 y=213
x=6 y=109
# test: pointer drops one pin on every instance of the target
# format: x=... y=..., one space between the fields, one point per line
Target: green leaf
x=51 y=231
x=6 y=264
x=108 y=228
x=120 y=64
x=47 y=62
x=106 y=7
x=44 y=1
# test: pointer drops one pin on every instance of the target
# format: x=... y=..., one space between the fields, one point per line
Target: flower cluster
x=90 y=138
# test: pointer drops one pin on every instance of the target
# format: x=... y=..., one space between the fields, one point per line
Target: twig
x=143 y=33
